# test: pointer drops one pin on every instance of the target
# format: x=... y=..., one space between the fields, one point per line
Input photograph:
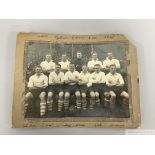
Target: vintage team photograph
x=65 y=79
x=76 y=80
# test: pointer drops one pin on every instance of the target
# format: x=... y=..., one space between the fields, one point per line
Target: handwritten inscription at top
x=108 y=36
x=74 y=37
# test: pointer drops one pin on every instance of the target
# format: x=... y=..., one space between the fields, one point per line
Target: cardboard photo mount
x=18 y=120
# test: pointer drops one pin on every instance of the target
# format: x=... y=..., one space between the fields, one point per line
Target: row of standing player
x=48 y=65
x=81 y=85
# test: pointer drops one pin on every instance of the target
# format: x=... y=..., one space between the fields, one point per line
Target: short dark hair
x=37 y=67
x=97 y=65
x=112 y=65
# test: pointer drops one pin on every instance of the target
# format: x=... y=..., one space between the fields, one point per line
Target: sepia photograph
x=75 y=79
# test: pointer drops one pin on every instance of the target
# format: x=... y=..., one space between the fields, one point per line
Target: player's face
x=94 y=56
x=64 y=57
x=84 y=69
x=38 y=70
x=97 y=69
x=57 y=68
x=113 y=69
x=48 y=57
x=71 y=67
x=110 y=55
x=79 y=55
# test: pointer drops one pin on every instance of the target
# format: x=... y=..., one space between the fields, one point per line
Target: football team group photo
x=76 y=80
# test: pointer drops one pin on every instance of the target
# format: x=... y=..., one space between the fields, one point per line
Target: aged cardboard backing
x=18 y=120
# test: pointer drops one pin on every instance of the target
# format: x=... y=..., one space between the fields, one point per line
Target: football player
x=93 y=62
x=37 y=84
x=48 y=65
x=115 y=84
x=97 y=79
x=64 y=63
x=72 y=79
x=84 y=85
x=109 y=61
x=56 y=80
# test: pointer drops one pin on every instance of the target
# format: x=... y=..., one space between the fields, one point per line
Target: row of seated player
x=95 y=85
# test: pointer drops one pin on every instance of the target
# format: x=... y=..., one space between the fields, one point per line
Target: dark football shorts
x=37 y=92
x=116 y=89
x=84 y=89
x=72 y=89
x=55 y=88
x=101 y=88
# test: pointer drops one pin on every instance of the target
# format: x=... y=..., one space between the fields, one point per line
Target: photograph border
x=18 y=120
